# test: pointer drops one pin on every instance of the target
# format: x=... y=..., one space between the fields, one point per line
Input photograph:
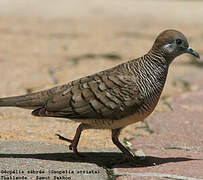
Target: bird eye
x=178 y=41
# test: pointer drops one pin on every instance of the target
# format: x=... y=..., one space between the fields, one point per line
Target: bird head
x=172 y=43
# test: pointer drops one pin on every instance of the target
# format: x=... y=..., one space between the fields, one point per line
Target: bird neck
x=153 y=67
x=151 y=75
x=156 y=60
x=161 y=56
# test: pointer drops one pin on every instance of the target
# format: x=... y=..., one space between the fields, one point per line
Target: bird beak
x=193 y=52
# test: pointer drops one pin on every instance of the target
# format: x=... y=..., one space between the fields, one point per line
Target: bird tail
x=28 y=101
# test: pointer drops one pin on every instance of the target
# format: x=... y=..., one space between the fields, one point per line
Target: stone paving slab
x=176 y=146
x=46 y=161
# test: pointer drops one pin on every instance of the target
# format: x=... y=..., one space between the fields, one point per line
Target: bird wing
x=102 y=95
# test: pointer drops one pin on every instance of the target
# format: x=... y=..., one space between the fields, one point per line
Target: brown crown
x=168 y=36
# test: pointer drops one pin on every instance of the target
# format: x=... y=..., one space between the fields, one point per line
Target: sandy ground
x=46 y=43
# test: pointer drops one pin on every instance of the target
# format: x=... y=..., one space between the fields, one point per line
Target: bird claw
x=136 y=160
x=64 y=139
x=78 y=154
x=139 y=161
x=130 y=157
x=72 y=146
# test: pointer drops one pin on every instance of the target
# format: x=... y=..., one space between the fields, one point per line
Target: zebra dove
x=110 y=99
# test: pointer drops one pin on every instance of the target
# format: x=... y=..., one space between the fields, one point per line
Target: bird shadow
x=102 y=159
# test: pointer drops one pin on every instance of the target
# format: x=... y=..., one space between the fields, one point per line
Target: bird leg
x=74 y=142
x=128 y=155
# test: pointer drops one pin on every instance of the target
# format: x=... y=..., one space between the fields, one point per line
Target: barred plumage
x=113 y=98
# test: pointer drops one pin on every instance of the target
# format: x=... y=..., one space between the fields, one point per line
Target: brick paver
x=176 y=146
